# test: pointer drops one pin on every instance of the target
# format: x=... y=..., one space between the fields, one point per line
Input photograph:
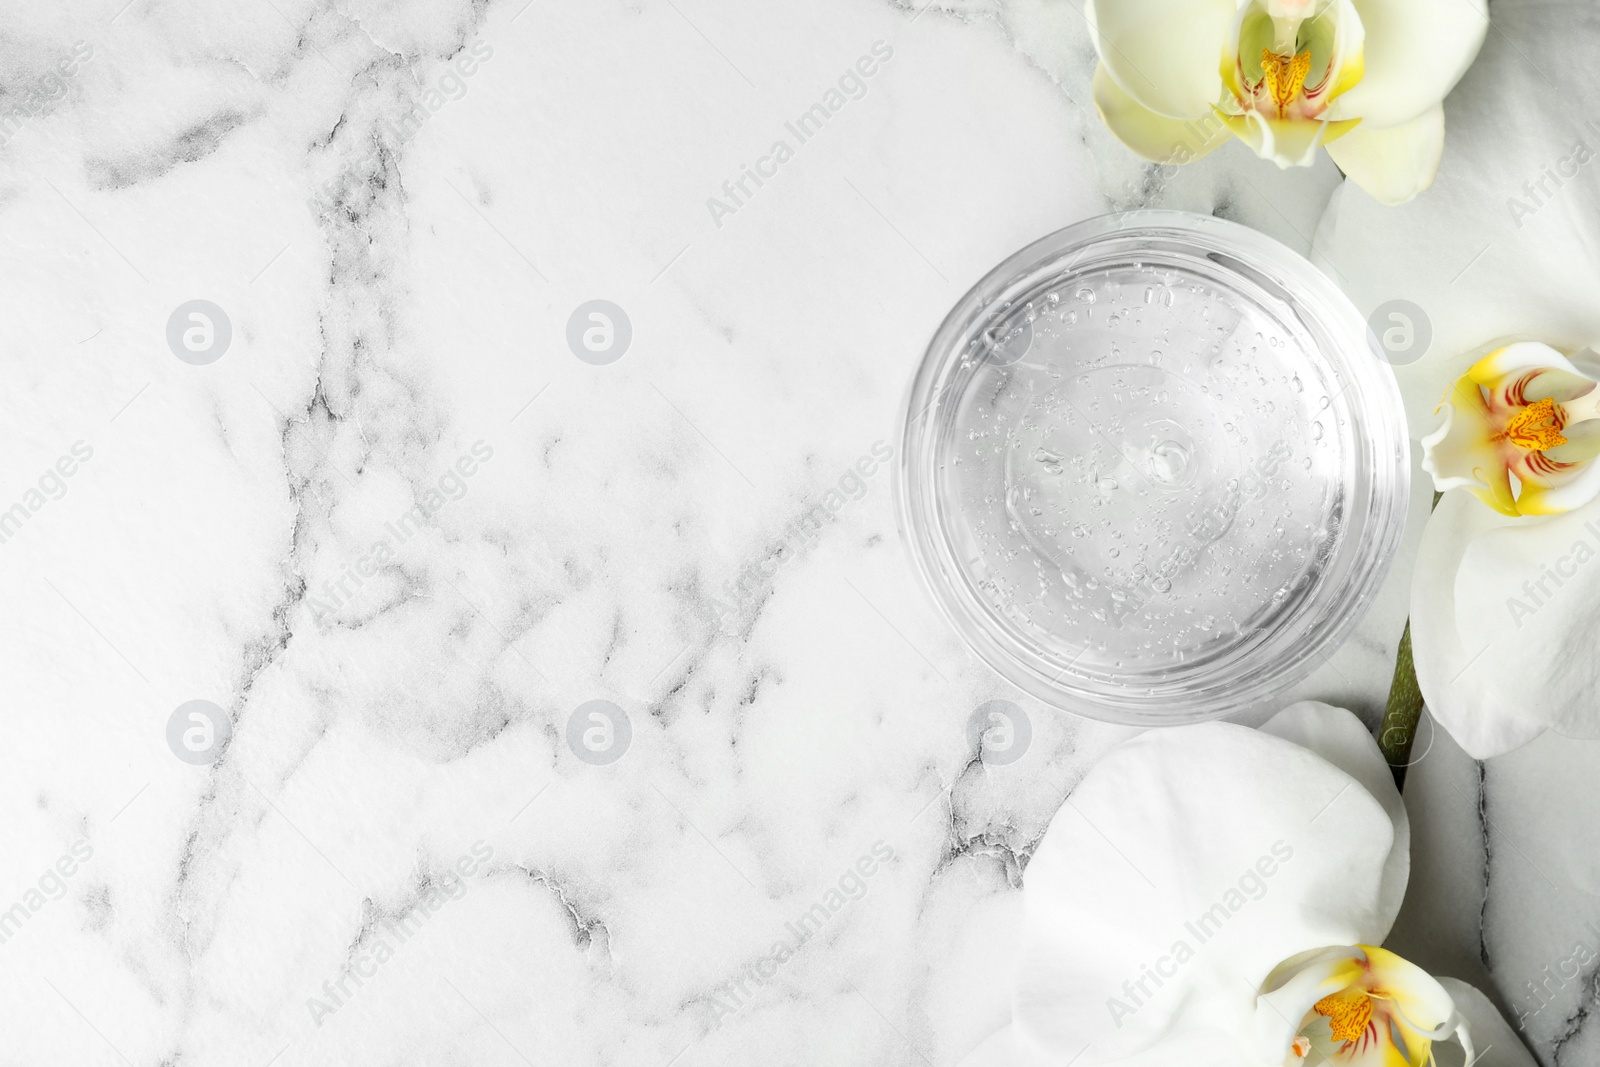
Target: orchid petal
x=1395 y=163
x=1155 y=137
x=1351 y=57
x=1417 y=995
x=1511 y=360
x=1163 y=53
x=1006 y=1048
x=1535 y=499
x=1503 y=627
x=1583 y=443
x=1344 y=741
x=1560 y=385
x=1287 y=142
x=1460 y=455
x=1167 y=841
x=1497 y=1044
x=1415 y=52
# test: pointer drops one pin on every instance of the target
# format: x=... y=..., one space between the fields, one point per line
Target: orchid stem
x=1403 y=710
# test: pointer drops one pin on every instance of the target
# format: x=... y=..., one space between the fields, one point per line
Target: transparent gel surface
x=1148 y=474
x=1151 y=479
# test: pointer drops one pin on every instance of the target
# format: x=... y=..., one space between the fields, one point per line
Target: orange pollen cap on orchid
x=1285 y=76
x=1534 y=428
x=1348 y=1012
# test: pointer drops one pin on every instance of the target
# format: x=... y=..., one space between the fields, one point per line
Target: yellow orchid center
x=1384 y=1011
x=1534 y=428
x=1284 y=64
x=1289 y=62
x=1284 y=76
x=1349 y=1013
x=1519 y=455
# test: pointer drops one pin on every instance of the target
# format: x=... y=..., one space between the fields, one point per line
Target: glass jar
x=1151 y=470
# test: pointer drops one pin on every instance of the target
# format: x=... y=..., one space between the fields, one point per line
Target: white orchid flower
x=1365 y=78
x=1215 y=896
x=1505 y=600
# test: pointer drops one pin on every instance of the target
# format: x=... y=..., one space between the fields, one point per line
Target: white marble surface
x=399 y=293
